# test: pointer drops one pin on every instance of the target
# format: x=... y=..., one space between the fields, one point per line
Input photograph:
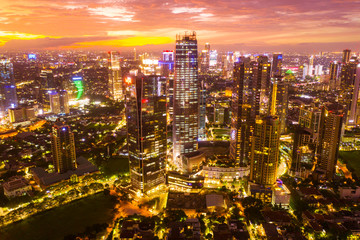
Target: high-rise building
x=301 y=148
x=245 y=108
x=353 y=115
x=265 y=151
x=262 y=71
x=63 y=148
x=59 y=102
x=335 y=70
x=186 y=97
x=115 y=76
x=8 y=98
x=205 y=59
x=213 y=59
x=346 y=56
x=54 y=102
x=280 y=102
x=146 y=130
x=251 y=97
x=167 y=63
x=328 y=147
x=277 y=64
x=202 y=109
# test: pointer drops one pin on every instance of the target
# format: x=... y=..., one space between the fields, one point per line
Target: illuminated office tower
x=213 y=59
x=63 y=148
x=115 y=76
x=47 y=87
x=262 y=72
x=205 y=59
x=146 y=130
x=265 y=151
x=346 y=56
x=59 y=102
x=353 y=115
x=8 y=98
x=311 y=66
x=301 y=149
x=54 y=102
x=280 y=102
x=245 y=108
x=167 y=63
x=202 y=110
x=318 y=70
x=167 y=70
x=276 y=65
x=186 y=97
x=328 y=147
x=64 y=102
x=335 y=70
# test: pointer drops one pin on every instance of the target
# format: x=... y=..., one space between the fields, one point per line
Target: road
x=343 y=168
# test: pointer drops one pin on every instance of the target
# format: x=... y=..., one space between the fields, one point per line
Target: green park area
x=77 y=217
x=220 y=133
x=115 y=165
x=352 y=160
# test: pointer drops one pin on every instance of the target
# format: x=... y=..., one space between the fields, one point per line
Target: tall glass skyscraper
x=146 y=130
x=8 y=98
x=186 y=97
x=115 y=76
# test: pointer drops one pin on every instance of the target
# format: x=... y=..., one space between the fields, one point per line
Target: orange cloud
x=127 y=42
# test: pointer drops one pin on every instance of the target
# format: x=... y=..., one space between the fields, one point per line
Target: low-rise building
x=349 y=192
x=16 y=186
x=281 y=195
x=229 y=174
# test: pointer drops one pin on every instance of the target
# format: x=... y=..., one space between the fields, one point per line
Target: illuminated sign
x=128 y=80
x=79 y=86
x=31 y=56
x=150 y=61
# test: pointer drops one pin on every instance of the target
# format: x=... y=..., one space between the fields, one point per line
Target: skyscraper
x=186 y=96
x=265 y=151
x=63 y=148
x=146 y=130
x=205 y=59
x=250 y=99
x=59 y=102
x=202 y=109
x=262 y=72
x=280 y=101
x=335 y=70
x=276 y=65
x=353 y=115
x=328 y=147
x=245 y=107
x=301 y=151
x=115 y=76
x=8 y=98
x=346 y=56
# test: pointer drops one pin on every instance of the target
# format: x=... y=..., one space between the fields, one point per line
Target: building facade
x=186 y=97
x=265 y=151
x=8 y=97
x=146 y=130
x=63 y=148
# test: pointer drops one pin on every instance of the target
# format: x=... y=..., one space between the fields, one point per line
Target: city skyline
x=297 y=26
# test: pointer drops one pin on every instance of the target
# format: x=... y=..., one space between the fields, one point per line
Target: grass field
x=69 y=219
x=352 y=160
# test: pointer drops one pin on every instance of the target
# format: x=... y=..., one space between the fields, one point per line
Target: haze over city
x=179 y=120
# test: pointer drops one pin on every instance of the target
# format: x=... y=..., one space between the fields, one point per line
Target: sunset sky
x=264 y=25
